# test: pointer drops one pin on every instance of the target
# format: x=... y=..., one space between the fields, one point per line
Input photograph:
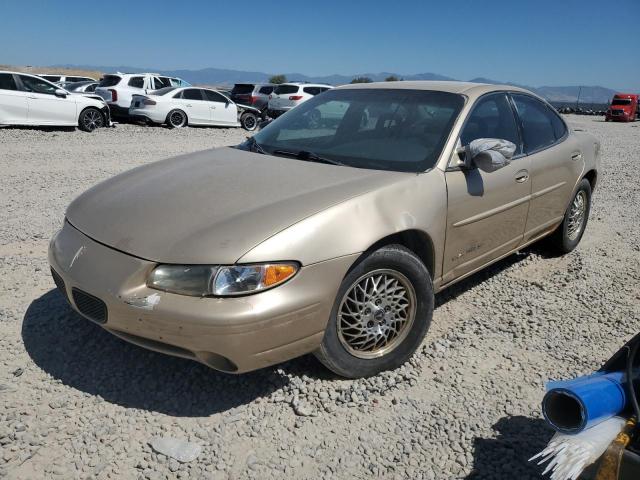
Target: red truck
x=623 y=108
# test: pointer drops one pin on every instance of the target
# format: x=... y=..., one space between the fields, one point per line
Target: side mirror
x=59 y=92
x=488 y=154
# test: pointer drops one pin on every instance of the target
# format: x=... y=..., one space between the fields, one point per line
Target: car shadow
x=84 y=356
x=507 y=455
x=457 y=289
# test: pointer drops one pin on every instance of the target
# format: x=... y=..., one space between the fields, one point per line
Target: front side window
x=192 y=94
x=51 y=78
x=383 y=129
x=214 y=96
x=136 y=82
x=537 y=123
x=7 y=82
x=37 y=85
x=492 y=117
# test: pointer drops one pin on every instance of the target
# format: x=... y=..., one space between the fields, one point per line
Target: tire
x=344 y=350
x=177 y=119
x=91 y=119
x=249 y=121
x=567 y=236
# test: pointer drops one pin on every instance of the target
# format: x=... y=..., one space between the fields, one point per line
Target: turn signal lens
x=275 y=274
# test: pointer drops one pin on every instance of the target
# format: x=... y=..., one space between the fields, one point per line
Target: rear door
x=487 y=210
x=13 y=102
x=45 y=108
x=193 y=103
x=556 y=163
x=222 y=111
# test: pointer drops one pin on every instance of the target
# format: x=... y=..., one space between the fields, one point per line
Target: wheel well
x=592 y=176
x=415 y=240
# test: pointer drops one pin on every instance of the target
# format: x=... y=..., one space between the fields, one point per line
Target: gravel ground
x=76 y=402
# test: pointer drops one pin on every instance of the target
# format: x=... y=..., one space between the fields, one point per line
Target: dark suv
x=253 y=94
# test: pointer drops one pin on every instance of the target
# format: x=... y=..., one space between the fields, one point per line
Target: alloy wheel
x=376 y=313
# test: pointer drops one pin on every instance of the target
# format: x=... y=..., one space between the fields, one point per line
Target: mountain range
x=226 y=77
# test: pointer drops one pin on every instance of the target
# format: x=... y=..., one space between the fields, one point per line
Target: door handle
x=188 y=105
x=576 y=156
x=522 y=176
x=32 y=98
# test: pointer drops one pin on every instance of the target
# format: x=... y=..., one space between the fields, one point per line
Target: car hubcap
x=576 y=215
x=376 y=313
x=92 y=120
x=177 y=119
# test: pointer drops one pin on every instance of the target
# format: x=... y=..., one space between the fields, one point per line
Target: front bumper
x=230 y=334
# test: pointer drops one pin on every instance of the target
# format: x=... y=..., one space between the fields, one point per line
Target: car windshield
x=286 y=89
x=621 y=101
x=242 y=88
x=164 y=91
x=109 y=80
x=385 y=129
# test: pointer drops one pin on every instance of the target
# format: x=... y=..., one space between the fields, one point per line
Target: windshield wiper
x=254 y=146
x=308 y=156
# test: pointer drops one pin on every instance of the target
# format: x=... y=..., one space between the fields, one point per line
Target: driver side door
x=45 y=108
x=487 y=210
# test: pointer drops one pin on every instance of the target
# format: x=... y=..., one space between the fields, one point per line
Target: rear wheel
x=249 y=121
x=176 y=119
x=90 y=119
x=380 y=316
x=569 y=233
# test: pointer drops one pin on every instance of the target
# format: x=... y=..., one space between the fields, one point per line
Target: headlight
x=201 y=281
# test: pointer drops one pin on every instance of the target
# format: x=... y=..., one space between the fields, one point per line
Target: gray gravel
x=76 y=402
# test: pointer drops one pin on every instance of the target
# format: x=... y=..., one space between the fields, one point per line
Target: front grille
x=617 y=112
x=90 y=306
x=59 y=282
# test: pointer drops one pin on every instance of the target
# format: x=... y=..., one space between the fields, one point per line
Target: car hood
x=213 y=206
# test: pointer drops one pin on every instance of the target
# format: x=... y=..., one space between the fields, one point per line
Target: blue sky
x=543 y=42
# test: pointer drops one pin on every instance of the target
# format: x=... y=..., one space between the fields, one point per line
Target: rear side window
x=136 y=82
x=538 y=122
x=285 y=89
x=161 y=82
x=214 y=96
x=266 y=90
x=492 y=117
x=7 y=82
x=311 y=90
x=51 y=78
x=192 y=94
x=109 y=81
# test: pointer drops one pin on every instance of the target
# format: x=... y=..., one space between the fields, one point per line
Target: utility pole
x=578 y=99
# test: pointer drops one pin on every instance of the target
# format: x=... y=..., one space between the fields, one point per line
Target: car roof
x=465 y=88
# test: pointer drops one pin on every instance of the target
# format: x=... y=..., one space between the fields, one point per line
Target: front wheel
x=90 y=119
x=381 y=314
x=249 y=121
x=176 y=119
x=569 y=233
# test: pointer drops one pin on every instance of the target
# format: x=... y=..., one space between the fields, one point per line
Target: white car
x=178 y=107
x=31 y=100
x=117 y=89
x=288 y=95
x=55 y=78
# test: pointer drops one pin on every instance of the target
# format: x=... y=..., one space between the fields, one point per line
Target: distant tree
x=277 y=79
x=392 y=78
x=361 y=80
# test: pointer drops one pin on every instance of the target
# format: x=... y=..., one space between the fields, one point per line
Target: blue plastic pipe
x=571 y=406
